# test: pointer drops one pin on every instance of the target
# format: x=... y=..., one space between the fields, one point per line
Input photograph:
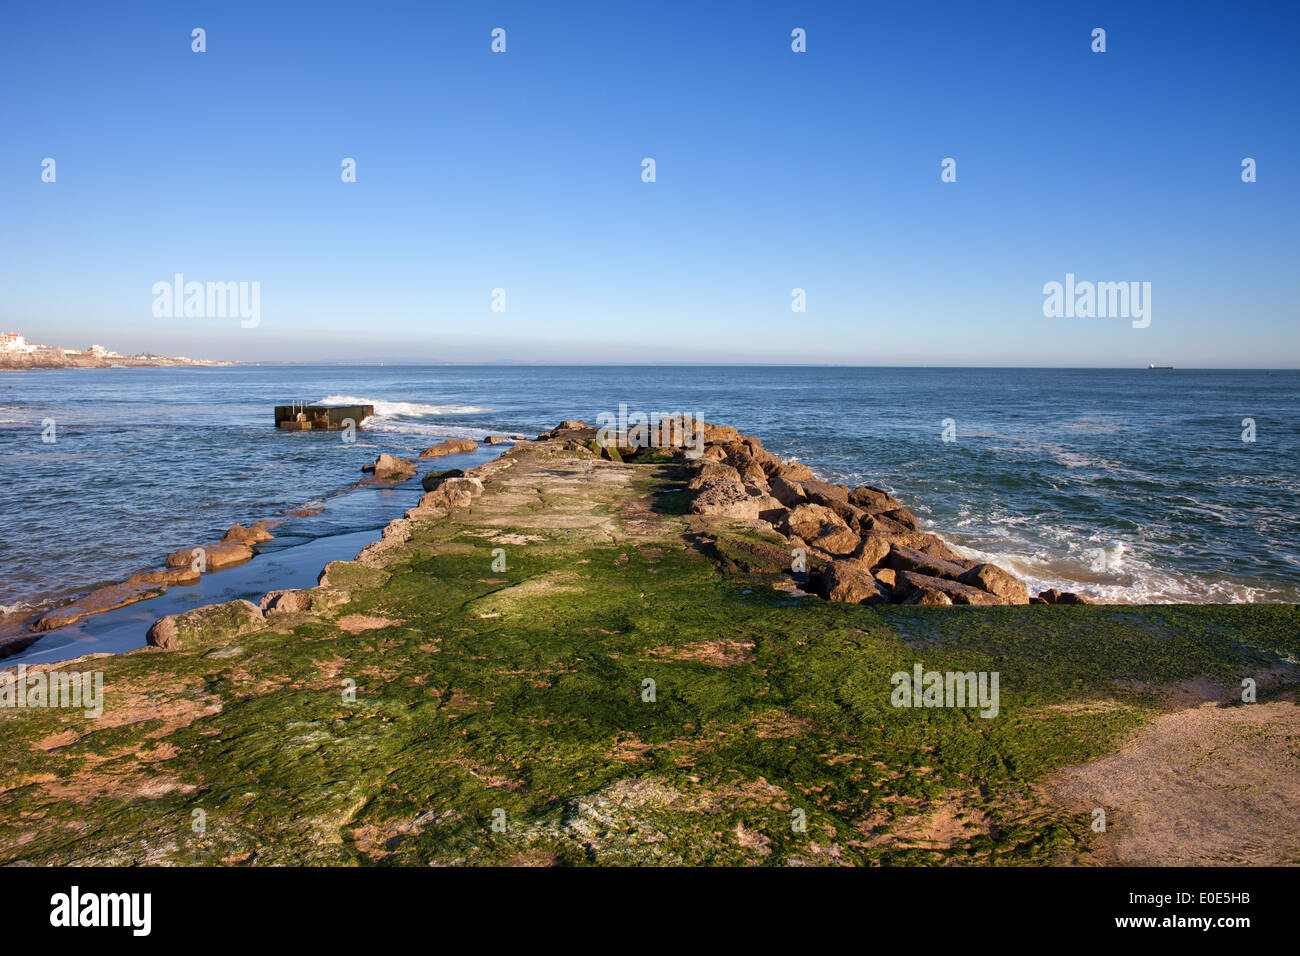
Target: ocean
x=1129 y=486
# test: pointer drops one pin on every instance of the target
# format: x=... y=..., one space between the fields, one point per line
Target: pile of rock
x=861 y=544
x=182 y=567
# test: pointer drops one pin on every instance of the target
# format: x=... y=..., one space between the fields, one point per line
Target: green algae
x=628 y=690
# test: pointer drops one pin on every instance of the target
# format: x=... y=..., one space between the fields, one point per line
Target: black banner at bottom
x=145 y=905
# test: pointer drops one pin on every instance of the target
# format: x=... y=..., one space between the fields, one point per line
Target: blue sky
x=775 y=170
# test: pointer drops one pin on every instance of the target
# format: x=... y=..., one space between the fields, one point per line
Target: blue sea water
x=1127 y=485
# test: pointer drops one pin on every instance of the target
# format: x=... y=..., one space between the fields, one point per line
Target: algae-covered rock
x=302 y=600
x=206 y=626
x=351 y=576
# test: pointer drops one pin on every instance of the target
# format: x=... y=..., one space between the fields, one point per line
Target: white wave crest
x=385 y=409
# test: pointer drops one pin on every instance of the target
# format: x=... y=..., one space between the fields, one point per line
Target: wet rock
x=210 y=557
x=249 y=536
x=138 y=587
x=390 y=468
x=453 y=446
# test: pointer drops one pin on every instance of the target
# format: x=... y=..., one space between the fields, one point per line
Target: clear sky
x=775 y=170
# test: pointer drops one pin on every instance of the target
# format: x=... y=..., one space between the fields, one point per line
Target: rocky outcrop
x=870 y=545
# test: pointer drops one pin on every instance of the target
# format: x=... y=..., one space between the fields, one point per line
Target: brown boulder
x=390 y=468
x=1053 y=596
x=907 y=582
x=879 y=524
x=729 y=499
x=451 y=446
x=847 y=584
x=433 y=479
x=906 y=559
x=991 y=578
x=925 y=597
x=824 y=489
x=793 y=471
x=873 y=500
x=210 y=557
x=927 y=544
x=787 y=492
x=255 y=534
x=452 y=493
x=835 y=540
x=870 y=552
x=808 y=520
x=706 y=471
x=851 y=515
x=719 y=434
x=902 y=517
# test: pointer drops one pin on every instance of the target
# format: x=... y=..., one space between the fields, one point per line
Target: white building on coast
x=11 y=343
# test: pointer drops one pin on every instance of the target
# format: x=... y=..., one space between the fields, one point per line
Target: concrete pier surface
x=299 y=416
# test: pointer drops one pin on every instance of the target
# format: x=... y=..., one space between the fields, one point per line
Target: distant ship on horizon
x=1169 y=367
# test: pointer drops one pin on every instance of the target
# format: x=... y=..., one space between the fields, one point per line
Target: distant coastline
x=16 y=354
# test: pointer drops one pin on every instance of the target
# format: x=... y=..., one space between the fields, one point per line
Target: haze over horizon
x=775 y=171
